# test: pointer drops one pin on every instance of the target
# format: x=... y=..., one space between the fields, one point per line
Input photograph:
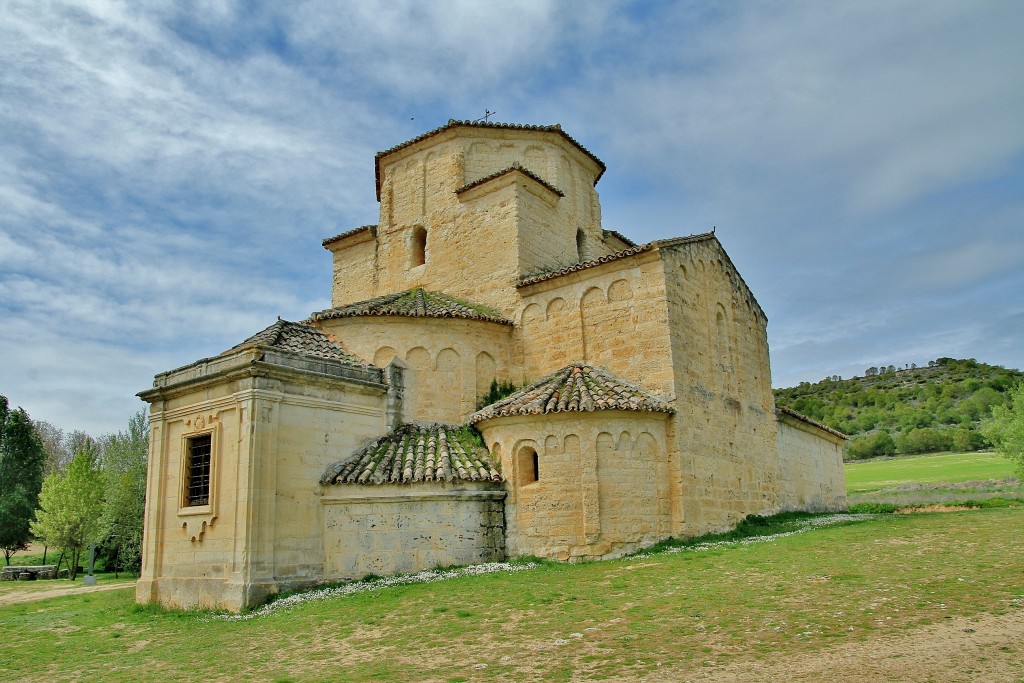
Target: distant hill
x=907 y=410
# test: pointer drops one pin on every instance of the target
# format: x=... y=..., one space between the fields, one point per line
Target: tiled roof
x=640 y=248
x=514 y=167
x=575 y=388
x=418 y=452
x=416 y=303
x=814 y=423
x=298 y=338
x=452 y=123
x=349 y=233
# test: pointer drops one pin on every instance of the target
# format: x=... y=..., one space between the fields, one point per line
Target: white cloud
x=167 y=170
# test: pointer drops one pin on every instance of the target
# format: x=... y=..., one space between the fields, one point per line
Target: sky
x=168 y=170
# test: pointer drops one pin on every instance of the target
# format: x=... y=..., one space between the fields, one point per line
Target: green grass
x=938 y=479
x=622 y=619
x=874 y=475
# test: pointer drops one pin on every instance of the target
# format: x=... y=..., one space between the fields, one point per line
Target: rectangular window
x=197 y=471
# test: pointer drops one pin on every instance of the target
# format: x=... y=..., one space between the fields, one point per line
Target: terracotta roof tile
x=640 y=248
x=452 y=123
x=416 y=303
x=349 y=233
x=418 y=452
x=298 y=338
x=578 y=387
x=514 y=167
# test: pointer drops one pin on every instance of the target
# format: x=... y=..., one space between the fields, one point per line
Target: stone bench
x=43 y=571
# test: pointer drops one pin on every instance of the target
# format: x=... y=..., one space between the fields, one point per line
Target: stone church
x=357 y=441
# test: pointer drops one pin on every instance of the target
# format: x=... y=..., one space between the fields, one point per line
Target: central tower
x=471 y=208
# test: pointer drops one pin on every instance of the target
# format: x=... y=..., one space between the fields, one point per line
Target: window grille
x=197 y=488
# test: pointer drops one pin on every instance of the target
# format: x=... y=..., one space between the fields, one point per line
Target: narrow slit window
x=197 y=485
x=419 y=247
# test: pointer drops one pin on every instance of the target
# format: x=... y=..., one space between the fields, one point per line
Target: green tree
x=1005 y=429
x=22 y=460
x=70 y=514
x=124 y=484
x=871 y=446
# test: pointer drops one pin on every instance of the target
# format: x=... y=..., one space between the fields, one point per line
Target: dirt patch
x=980 y=648
x=16 y=598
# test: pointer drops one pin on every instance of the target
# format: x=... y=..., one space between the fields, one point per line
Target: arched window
x=528 y=466
x=419 y=247
x=579 y=243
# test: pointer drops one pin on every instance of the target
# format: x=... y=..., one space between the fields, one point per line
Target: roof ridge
x=348 y=233
x=455 y=123
x=638 y=249
x=516 y=166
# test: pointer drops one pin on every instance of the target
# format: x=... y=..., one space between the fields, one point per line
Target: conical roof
x=418 y=452
x=414 y=303
x=578 y=387
x=298 y=338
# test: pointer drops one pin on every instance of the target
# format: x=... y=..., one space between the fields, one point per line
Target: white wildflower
x=426 y=576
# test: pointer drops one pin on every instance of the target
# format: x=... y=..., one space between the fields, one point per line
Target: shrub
x=871 y=446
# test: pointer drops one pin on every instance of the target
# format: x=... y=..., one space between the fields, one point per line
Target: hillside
x=907 y=410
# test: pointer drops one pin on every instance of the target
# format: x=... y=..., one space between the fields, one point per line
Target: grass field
x=666 y=615
x=942 y=478
x=873 y=475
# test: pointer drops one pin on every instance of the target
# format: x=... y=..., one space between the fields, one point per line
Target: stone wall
x=355 y=267
x=724 y=425
x=812 y=467
x=396 y=528
x=601 y=486
x=614 y=315
x=449 y=363
x=478 y=243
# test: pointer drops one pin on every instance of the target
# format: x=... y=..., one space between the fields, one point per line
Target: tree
x=124 y=484
x=871 y=446
x=22 y=460
x=57 y=454
x=71 y=506
x=1005 y=429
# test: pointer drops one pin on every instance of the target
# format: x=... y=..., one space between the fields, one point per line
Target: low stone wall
x=811 y=461
x=43 y=571
x=397 y=528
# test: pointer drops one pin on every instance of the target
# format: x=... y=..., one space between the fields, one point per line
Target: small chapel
x=497 y=376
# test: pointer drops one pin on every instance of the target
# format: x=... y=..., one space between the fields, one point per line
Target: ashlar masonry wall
x=600 y=488
x=812 y=467
x=614 y=315
x=395 y=528
x=449 y=363
x=724 y=424
x=479 y=241
x=274 y=430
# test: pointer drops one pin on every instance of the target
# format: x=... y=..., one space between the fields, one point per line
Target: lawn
x=663 y=615
x=923 y=470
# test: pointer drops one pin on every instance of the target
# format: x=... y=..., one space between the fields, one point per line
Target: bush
x=871 y=446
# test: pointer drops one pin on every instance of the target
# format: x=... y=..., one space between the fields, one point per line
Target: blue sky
x=168 y=170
